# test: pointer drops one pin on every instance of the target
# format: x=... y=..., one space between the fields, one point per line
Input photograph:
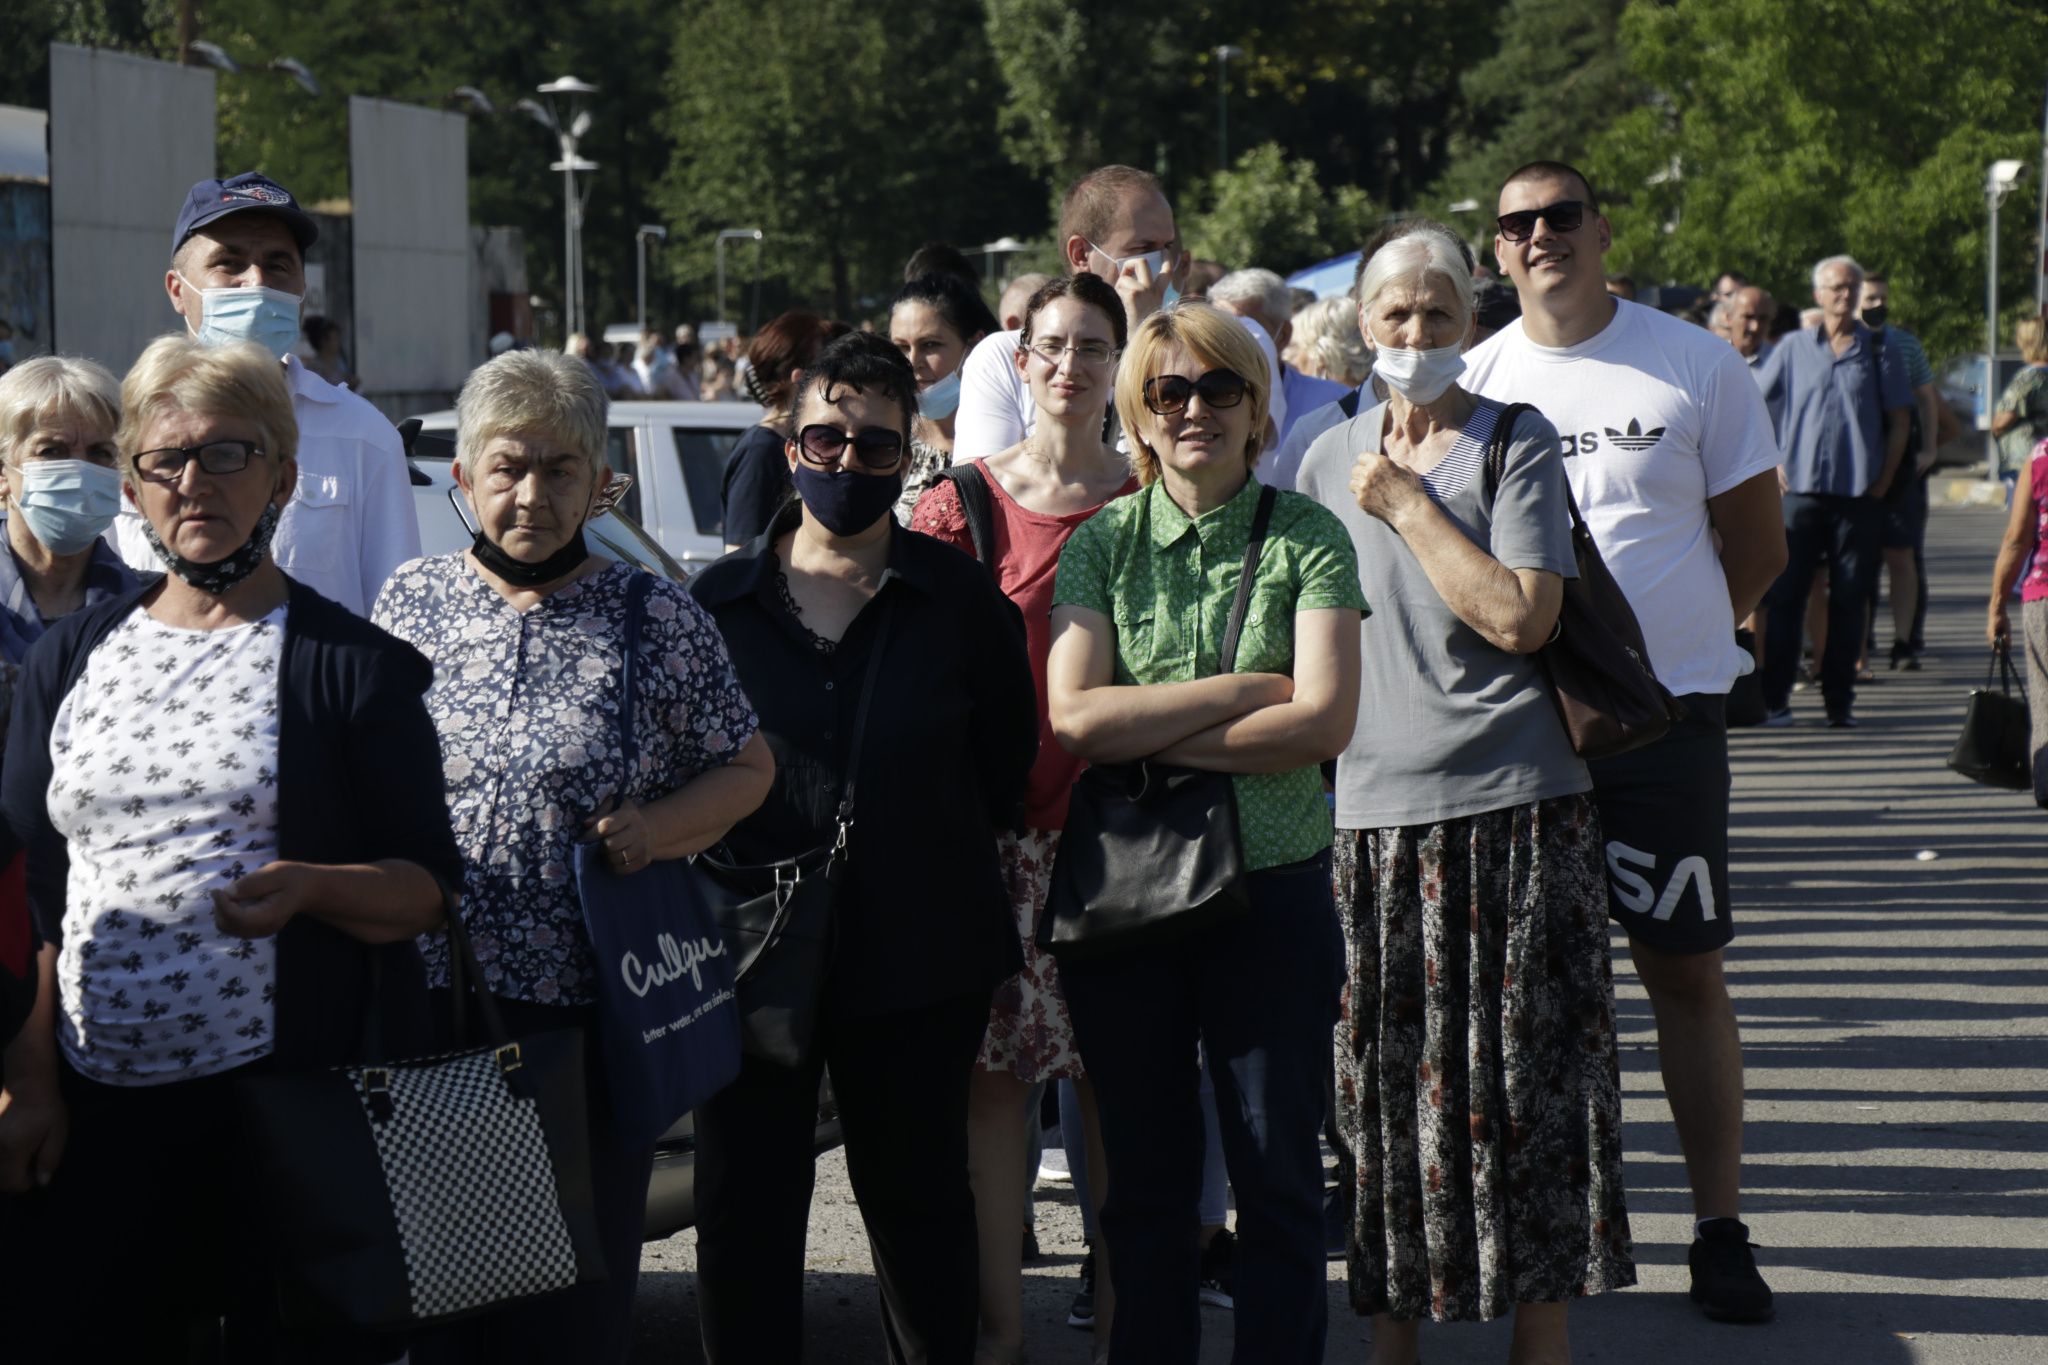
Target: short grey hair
x=55 y=388
x=542 y=394
x=1326 y=334
x=1411 y=258
x=1718 y=314
x=1262 y=289
x=1831 y=262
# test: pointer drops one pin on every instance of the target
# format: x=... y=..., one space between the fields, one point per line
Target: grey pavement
x=1895 y=1022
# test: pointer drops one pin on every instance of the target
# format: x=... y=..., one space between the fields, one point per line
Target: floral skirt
x=1029 y=1032
x=1477 y=1081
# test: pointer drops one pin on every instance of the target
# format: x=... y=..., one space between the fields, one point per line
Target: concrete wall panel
x=409 y=186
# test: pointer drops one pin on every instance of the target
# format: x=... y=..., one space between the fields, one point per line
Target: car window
x=619 y=454
x=703 y=452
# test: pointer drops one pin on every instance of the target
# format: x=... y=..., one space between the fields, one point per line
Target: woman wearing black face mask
x=924 y=932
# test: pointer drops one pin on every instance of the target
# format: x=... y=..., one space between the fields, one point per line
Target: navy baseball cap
x=248 y=192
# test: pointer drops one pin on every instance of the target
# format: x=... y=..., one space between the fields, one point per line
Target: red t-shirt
x=1027 y=558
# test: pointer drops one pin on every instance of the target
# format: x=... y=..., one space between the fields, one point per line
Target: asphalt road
x=1895 y=1019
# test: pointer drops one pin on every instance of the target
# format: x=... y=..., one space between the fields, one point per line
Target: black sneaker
x=1081 y=1312
x=1843 y=720
x=1725 y=1282
x=1219 y=1270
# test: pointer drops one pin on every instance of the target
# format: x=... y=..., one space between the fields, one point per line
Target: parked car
x=675 y=454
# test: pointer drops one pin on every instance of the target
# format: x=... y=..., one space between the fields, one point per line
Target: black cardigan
x=952 y=732
x=359 y=779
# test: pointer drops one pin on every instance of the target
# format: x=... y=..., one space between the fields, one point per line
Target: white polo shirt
x=350 y=521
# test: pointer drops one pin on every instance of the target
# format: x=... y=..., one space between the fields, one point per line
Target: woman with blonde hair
x=1140 y=607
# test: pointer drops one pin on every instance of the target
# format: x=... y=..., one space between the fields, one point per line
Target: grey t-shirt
x=1448 y=724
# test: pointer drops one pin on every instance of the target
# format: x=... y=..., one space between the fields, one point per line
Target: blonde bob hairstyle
x=178 y=373
x=2031 y=336
x=54 y=390
x=534 y=394
x=1217 y=341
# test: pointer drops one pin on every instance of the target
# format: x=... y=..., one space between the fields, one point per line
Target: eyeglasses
x=1086 y=352
x=1566 y=215
x=873 y=447
x=1169 y=393
x=167 y=465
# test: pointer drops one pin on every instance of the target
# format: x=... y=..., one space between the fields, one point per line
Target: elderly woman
x=1139 y=610
x=935 y=321
x=1478 y=1083
x=834 y=591
x=225 y=783
x=1326 y=342
x=526 y=633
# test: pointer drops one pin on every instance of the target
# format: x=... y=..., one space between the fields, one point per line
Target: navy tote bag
x=668 y=1018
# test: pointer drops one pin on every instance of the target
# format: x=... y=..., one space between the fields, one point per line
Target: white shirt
x=996 y=410
x=1655 y=416
x=164 y=785
x=350 y=521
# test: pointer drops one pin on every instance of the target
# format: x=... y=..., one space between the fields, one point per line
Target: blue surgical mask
x=68 y=503
x=269 y=317
x=939 y=399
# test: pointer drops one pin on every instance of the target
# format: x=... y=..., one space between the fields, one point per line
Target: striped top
x=1456 y=471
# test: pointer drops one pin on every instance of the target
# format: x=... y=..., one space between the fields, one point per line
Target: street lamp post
x=718 y=250
x=568 y=132
x=1225 y=54
x=640 y=239
x=1998 y=182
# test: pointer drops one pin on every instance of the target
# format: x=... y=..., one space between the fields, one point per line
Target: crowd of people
x=1143 y=515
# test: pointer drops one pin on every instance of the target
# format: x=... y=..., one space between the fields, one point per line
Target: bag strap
x=1497 y=460
x=860 y=718
x=1255 y=547
x=972 y=485
x=636 y=611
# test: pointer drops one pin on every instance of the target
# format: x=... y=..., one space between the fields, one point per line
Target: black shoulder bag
x=1599 y=668
x=972 y=486
x=1151 y=850
x=778 y=917
x=1995 y=745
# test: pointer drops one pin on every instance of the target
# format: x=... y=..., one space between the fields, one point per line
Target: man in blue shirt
x=1840 y=406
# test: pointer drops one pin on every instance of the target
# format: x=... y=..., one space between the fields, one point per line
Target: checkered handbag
x=410 y=1192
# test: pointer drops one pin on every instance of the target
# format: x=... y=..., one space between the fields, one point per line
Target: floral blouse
x=527 y=707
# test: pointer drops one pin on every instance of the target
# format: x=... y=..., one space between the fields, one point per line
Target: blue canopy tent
x=1330 y=278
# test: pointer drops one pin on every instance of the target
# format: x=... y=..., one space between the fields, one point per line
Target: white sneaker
x=1052 y=1166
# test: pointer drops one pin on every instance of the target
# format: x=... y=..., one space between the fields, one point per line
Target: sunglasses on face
x=167 y=465
x=873 y=447
x=1169 y=393
x=1566 y=215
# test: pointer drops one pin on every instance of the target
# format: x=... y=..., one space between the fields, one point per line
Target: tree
x=1782 y=133
x=1271 y=210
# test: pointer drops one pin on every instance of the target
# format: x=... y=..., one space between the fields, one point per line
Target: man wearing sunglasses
x=1669 y=451
x=1115 y=223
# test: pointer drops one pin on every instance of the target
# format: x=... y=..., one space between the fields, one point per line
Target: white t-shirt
x=351 y=520
x=164 y=786
x=996 y=410
x=1654 y=416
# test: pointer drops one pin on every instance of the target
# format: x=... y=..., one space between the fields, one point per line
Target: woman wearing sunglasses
x=1477 y=1079
x=1039 y=491
x=924 y=930
x=1140 y=606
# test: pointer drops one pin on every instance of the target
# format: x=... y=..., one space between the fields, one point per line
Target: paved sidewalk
x=1895 y=1018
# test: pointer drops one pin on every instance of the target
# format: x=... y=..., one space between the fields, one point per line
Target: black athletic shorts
x=1664 y=814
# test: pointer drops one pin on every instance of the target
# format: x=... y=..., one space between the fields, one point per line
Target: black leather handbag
x=1151 y=850
x=1993 y=748
x=778 y=918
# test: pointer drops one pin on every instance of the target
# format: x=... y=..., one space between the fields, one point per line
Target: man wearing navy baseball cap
x=238 y=274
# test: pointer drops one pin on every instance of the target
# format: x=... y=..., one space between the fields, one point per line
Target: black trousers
x=590 y=1324
x=901 y=1085
x=1843 y=533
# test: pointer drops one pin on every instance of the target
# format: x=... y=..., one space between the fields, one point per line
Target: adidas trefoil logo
x=1635 y=438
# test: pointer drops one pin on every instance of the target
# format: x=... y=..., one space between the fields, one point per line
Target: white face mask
x=1419 y=376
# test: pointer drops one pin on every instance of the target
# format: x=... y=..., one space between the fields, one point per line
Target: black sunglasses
x=1168 y=393
x=167 y=464
x=1566 y=215
x=873 y=447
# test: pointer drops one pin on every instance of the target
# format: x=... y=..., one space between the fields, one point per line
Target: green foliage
x=1785 y=132
x=1271 y=210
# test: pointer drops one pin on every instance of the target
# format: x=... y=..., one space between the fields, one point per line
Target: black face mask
x=1873 y=318
x=222 y=574
x=519 y=572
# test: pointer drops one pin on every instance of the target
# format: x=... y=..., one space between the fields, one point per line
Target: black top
x=952 y=733
x=359 y=780
x=757 y=484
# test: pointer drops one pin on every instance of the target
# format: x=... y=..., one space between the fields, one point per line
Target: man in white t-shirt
x=1114 y=223
x=1672 y=458
x=238 y=273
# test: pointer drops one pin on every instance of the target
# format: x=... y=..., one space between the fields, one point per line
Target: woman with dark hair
x=935 y=321
x=924 y=933
x=1039 y=491
x=756 y=475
